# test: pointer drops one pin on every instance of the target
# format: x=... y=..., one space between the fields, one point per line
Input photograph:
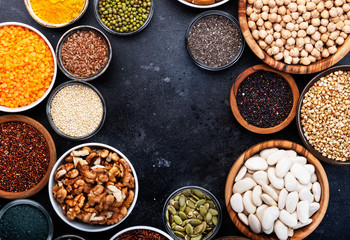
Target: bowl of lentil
x=323 y=117
x=76 y=110
x=28 y=73
x=25 y=219
x=192 y=211
x=28 y=155
x=214 y=40
x=123 y=18
x=203 y=3
x=56 y=14
x=84 y=53
x=264 y=100
x=141 y=232
x=109 y=191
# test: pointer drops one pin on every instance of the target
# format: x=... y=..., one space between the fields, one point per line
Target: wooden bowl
x=298 y=117
x=237 y=113
x=52 y=25
x=321 y=178
x=52 y=150
x=290 y=68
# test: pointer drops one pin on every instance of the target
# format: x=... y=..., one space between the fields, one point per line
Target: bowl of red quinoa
x=203 y=4
x=323 y=115
x=28 y=154
x=214 y=40
x=264 y=100
x=84 y=53
x=141 y=232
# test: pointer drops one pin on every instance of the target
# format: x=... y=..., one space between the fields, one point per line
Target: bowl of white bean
x=277 y=190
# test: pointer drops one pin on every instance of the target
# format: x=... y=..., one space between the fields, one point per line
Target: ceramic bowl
x=236 y=112
x=81 y=225
x=33 y=104
x=52 y=150
x=52 y=25
x=216 y=4
x=321 y=178
x=141 y=228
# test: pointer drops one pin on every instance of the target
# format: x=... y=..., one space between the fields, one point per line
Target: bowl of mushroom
x=93 y=187
x=277 y=187
x=299 y=36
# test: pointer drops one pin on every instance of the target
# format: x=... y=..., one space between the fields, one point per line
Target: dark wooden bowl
x=237 y=113
x=52 y=150
x=290 y=68
x=321 y=178
x=298 y=117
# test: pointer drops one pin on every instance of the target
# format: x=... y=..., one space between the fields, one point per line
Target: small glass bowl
x=97 y=15
x=35 y=205
x=208 y=14
x=69 y=33
x=141 y=228
x=48 y=110
x=205 y=191
x=70 y=237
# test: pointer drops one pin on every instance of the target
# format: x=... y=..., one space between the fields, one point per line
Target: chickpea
x=312 y=58
x=282 y=10
x=328 y=4
x=306 y=16
x=332 y=50
x=334 y=35
x=299 y=20
x=290 y=26
x=280 y=2
x=255 y=34
x=269 y=39
x=301 y=33
x=249 y=11
x=262 y=34
x=301 y=2
x=272 y=17
x=338 y=3
x=277 y=35
x=339 y=41
x=300 y=42
x=316 y=1
x=262 y=44
x=258 y=4
x=288 y=47
x=278 y=56
x=316 y=36
x=304 y=53
x=293 y=7
x=265 y=9
x=268 y=25
x=290 y=41
x=331 y=27
x=287 y=2
x=251 y=2
x=346 y=7
x=285 y=53
x=325 y=53
x=324 y=37
x=310 y=30
x=320 y=7
x=288 y=60
x=256 y=10
x=264 y=15
x=343 y=35
x=272 y=3
x=254 y=17
x=315 y=52
x=269 y=52
x=322 y=29
x=301 y=9
x=279 y=43
x=330 y=43
x=310 y=6
x=286 y=34
x=305 y=61
x=307 y=40
x=333 y=12
x=260 y=22
x=325 y=14
x=251 y=24
x=295 y=15
x=303 y=25
x=283 y=24
x=308 y=47
x=287 y=18
x=265 y=2
x=294 y=52
x=315 y=14
x=324 y=22
x=315 y=22
x=279 y=18
x=295 y=60
x=339 y=11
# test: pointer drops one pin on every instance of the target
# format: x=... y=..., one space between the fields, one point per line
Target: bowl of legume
x=323 y=117
x=25 y=219
x=141 y=232
x=192 y=212
x=29 y=72
x=203 y=3
x=76 y=110
x=214 y=40
x=84 y=53
x=56 y=14
x=123 y=18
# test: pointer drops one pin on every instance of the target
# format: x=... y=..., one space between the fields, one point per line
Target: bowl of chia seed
x=214 y=40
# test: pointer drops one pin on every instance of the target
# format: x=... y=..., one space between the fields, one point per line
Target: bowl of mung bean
x=323 y=117
x=76 y=110
x=123 y=18
x=22 y=88
x=203 y=3
x=84 y=53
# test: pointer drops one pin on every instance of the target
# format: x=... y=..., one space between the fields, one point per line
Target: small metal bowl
x=205 y=191
x=35 y=205
x=203 y=6
x=98 y=18
x=141 y=228
x=210 y=14
x=69 y=33
x=48 y=110
x=52 y=25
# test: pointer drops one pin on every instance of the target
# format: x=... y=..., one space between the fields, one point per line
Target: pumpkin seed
x=187 y=237
x=200 y=217
x=189 y=229
x=200 y=202
x=193 y=200
x=194 y=222
x=177 y=219
x=204 y=226
x=195 y=197
x=197 y=237
x=215 y=220
x=190 y=215
x=167 y=215
x=172 y=210
x=176 y=198
x=191 y=204
x=203 y=211
x=182 y=200
x=213 y=212
x=185 y=222
x=179 y=228
x=187 y=192
x=179 y=234
x=198 y=229
x=198 y=193
x=182 y=215
x=182 y=209
x=207 y=206
x=211 y=204
x=195 y=212
x=188 y=210
x=208 y=217
x=176 y=205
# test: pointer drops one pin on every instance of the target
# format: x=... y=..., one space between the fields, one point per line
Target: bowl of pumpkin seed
x=192 y=213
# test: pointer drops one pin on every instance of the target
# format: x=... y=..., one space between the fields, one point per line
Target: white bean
x=282 y=198
x=287 y=219
x=267 y=152
x=260 y=210
x=236 y=202
x=291 y=153
x=310 y=168
x=290 y=232
x=306 y=195
x=254 y=223
x=290 y=182
x=313 y=178
x=281 y=230
x=300 y=173
x=283 y=166
x=316 y=190
x=268 y=200
x=260 y=177
x=256 y=164
x=247 y=202
x=243 y=185
x=243 y=218
x=275 y=181
x=269 y=190
x=314 y=207
x=241 y=173
x=256 y=195
x=274 y=157
x=303 y=211
x=300 y=159
x=300 y=225
x=292 y=201
x=269 y=216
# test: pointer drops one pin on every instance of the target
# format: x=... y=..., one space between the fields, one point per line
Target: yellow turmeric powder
x=57 y=11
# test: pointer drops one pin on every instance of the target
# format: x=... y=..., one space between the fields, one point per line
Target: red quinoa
x=140 y=234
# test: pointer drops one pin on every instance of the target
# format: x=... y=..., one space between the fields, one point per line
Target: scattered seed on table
x=264 y=99
x=77 y=110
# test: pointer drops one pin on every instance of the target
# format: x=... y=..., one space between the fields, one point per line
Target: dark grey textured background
x=173 y=120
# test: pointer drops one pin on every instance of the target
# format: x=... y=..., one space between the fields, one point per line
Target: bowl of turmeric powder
x=56 y=14
x=27 y=72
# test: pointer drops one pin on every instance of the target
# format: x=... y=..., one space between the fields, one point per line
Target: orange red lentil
x=26 y=66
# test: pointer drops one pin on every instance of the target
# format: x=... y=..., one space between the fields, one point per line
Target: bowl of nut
x=277 y=190
x=297 y=37
x=93 y=187
x=322 y=115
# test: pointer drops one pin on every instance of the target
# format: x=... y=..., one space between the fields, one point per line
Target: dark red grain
x=140 y=234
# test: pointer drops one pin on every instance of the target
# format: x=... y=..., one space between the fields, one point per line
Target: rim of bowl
x=64 y=38
x=98 y=18
x=54 y=25
x=209 y=14
x=81 y=225
x=33 y=204
x=281 y=144
x=179 y=190
x=52 y=96
x=33 y=104
x=69 y=236
x=298 y=116
x=164 y=234
x=203 y=6
x=52 y=150
x=235 y=110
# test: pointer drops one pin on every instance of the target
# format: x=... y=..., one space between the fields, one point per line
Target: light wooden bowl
x=290 y=68
x=52 y=150
x=52 y=25
x=321 y=178
x=237 y=113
